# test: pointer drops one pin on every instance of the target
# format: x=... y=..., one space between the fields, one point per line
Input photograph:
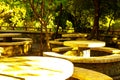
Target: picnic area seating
x=87 y=74
x=79 y=59
x=57 y=46
x=74 y=36
x=1 y=51
x=107 y=49
x=61 y=49
x=54 y=44
x=106 y=64
x=62 y=39
x=20 y=46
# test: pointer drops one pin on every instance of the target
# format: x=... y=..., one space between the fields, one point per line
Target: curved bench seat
x=79 y=59
x=18 y=41
x=82 y=73
x=56 y=42
x=109 y=64
x=61 y=49
x=19 y=46
x=87 y=74
x=107 y=49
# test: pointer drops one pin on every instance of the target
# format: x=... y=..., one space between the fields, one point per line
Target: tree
x=111 y=10
x=14 y=13
x=61 y=18
x=94 y=11
x=82 y=12
x=95 y=29
x=41 y=10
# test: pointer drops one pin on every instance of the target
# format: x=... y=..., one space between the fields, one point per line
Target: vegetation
x=12 y=14
x=78 y=12
x=83 y=16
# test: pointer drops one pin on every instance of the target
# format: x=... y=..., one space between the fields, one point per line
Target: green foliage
x=18 y=16
x=13 y=13
x=5 y=14
x=61 y=19
x=43 y=11
x=83 y=11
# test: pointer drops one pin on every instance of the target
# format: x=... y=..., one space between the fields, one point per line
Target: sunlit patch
x=9 y=69
x=38 y=68
x=8 y=78
x=28 y=74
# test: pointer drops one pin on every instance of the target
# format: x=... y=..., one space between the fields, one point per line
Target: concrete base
x=19 y=46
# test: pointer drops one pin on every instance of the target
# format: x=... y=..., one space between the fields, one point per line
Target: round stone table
x=84 y=45
x=35 y=68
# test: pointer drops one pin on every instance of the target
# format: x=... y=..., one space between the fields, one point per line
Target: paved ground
x=36 y=50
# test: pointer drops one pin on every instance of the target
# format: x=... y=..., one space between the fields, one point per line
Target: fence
x=23 y=28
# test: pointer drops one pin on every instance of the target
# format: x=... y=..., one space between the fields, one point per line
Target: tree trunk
x=95 y=30
x=109 y=27
x=58 y=21
x=43 y=24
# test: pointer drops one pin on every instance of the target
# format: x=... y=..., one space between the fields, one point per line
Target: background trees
x=79 y=12
x=85 y=15
x=96 y=14
x=43 y=10
x=12 y=14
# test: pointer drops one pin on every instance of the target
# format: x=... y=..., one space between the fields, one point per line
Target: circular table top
x=84 y=43
x=9 y=34
x=35 y=68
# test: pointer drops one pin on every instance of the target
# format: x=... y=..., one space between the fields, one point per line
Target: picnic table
x=75 y=35
x=84 y=45
x=7 y=37
x=35 y=68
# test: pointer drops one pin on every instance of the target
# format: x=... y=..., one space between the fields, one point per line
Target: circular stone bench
x=54 y=43
x=107 y=49
x=1 y=51
x=87 y=74
x=109 y=64
x=61 y=49
x=19 y=46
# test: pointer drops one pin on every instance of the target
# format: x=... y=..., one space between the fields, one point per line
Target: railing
x=23 y=28
x=116 y=32
x=26 y=28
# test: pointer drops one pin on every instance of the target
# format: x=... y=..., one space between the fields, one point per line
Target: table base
x=84 y=52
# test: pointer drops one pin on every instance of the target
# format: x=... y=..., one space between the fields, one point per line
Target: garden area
x=82 y=35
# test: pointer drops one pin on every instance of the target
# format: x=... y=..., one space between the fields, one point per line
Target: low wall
x=35 y=36
x=107 y=64
x=19 y=46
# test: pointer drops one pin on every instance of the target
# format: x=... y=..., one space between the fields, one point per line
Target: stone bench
x=61 y=49
x=79 y=59
x=1 y=51
x=75 y=35
x=56 y=42
x=108 y=64
x=87 y=74
x=19 y=46
x=62 y=39
x=107 y=49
